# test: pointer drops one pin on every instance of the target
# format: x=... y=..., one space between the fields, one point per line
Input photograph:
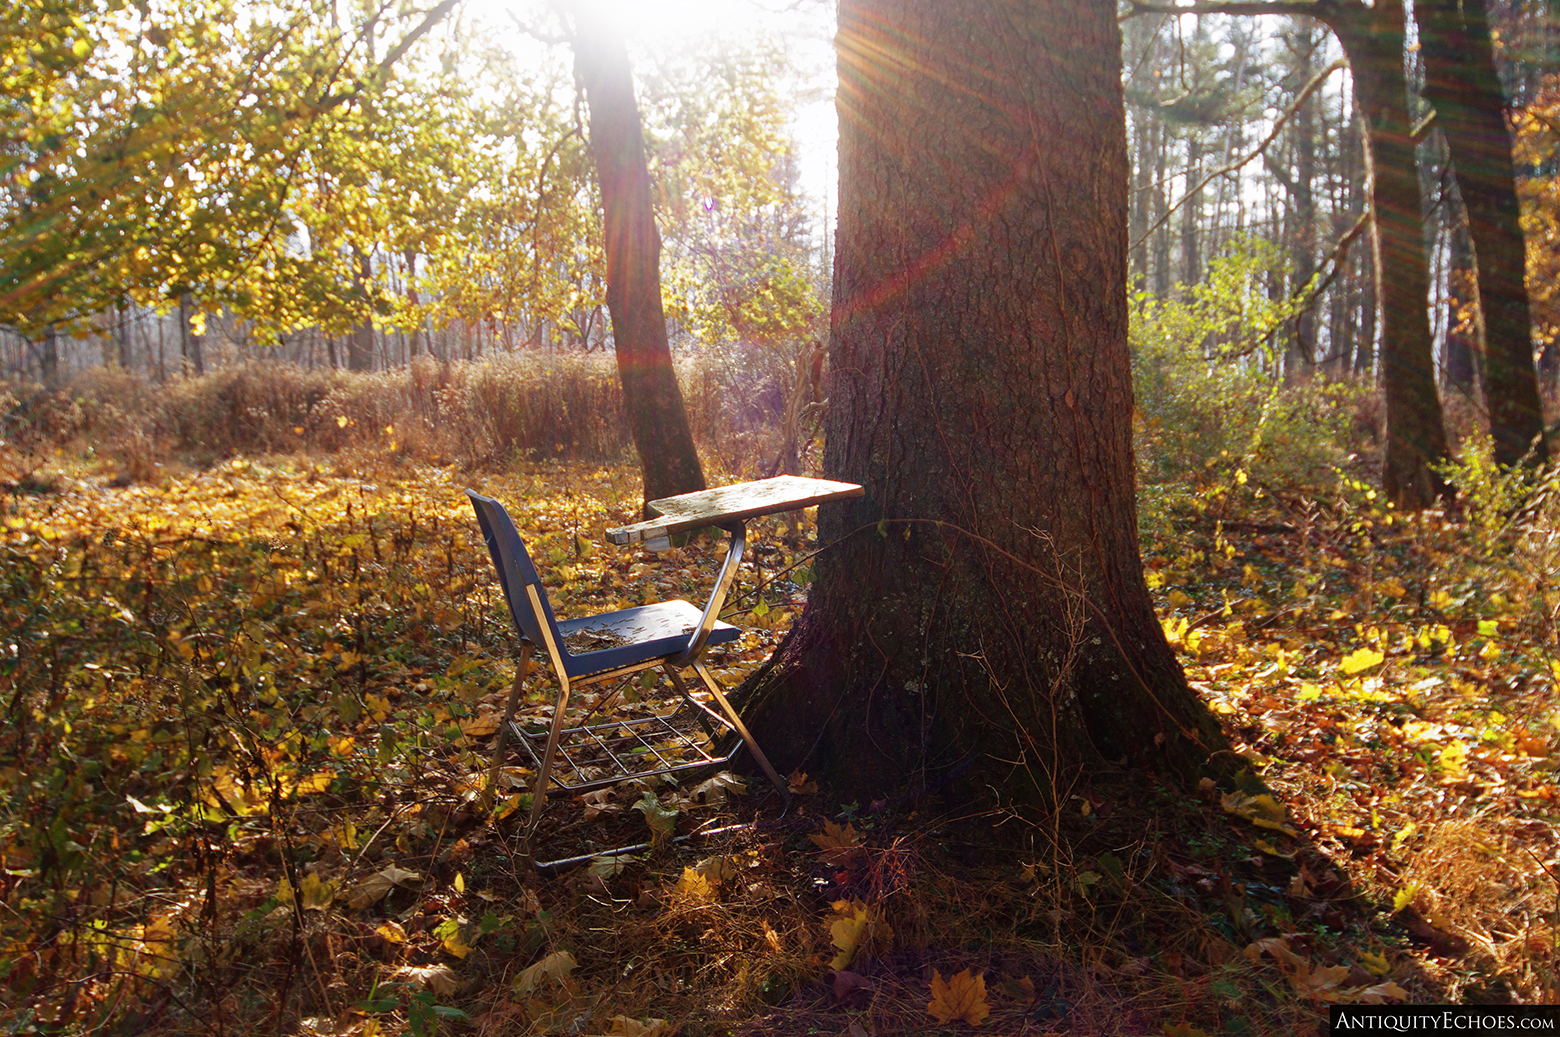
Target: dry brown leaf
x=600 y=802
x=713 y=792
x=833 y=837
x=554 y=968
x=373 y=889
x=440 y=979
x=479 y=726
x=623 y=1026
x=800 y=786
x=960 y=997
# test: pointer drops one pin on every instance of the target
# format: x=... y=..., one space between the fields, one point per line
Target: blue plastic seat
x=671 y=635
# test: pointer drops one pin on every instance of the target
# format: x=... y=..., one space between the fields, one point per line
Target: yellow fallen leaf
x=317 y=893
x=1374 y=962
x=480 y=725
x=960 y=997
x=694 y=885
x=392 y=932
x=1360 y=660
x=455 y=942
x=852 y=928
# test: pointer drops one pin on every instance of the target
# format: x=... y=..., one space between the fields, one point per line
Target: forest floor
x=250 y=711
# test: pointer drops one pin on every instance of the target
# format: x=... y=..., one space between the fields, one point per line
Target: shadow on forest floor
x=249 y=712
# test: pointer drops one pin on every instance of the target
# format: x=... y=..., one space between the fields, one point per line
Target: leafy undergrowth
x=249 y=714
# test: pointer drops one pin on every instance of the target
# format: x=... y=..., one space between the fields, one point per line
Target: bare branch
x=1306 y=91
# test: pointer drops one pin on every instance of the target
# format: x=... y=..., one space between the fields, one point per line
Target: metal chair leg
x=544 y=773
x=741 y=728
x=491 y=791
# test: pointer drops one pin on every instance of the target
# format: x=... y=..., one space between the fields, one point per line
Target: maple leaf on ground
x=799 y=785
x=696 y=886
x=840 y=846
x=960 y=997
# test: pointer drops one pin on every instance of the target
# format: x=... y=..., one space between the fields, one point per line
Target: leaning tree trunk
x=1461 y=82
x=657 y=418
x=982 y=609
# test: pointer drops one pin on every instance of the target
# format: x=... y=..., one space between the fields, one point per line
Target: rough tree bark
x=1461 y=82
x=982 y=611
x=657 y=418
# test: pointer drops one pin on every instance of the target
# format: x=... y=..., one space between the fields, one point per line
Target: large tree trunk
x=1416 y=434
x=657 y=418
x=1470 y=109
x=982 y=611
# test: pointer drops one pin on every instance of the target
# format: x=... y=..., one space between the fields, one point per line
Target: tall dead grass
x=476 y=415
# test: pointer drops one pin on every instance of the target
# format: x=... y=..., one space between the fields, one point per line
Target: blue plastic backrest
x=515 y=569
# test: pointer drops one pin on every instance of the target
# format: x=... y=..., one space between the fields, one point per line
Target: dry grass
x=504 y=410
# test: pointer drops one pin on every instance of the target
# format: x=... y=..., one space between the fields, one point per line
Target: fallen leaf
x=479 y=726
x=717 y=869
x=391 y=931
x=554 y=968
x=961 y=997
x=440 y=979
x=1375 y=963
x=1360 y=660
x=846 y=983
x=662 y=822
x=317 y=893
x=610 y=865
x=800 y=786
x=600 y=802
x=373 y=889
x=772 y=938
x=834 y=837
x=1278 y=947
x=623 y=1026
x=713 y=791
x=694 y=885
x=1022 y=989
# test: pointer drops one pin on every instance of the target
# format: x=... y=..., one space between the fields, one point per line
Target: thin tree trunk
x=652 y=400
x=360 y=341
x=192 y=347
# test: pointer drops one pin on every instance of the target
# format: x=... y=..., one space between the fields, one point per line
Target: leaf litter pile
x=249 y=719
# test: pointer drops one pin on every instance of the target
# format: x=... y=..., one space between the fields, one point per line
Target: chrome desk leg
x=736 y=722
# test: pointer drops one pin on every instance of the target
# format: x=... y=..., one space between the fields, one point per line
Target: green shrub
x=1210 y=401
